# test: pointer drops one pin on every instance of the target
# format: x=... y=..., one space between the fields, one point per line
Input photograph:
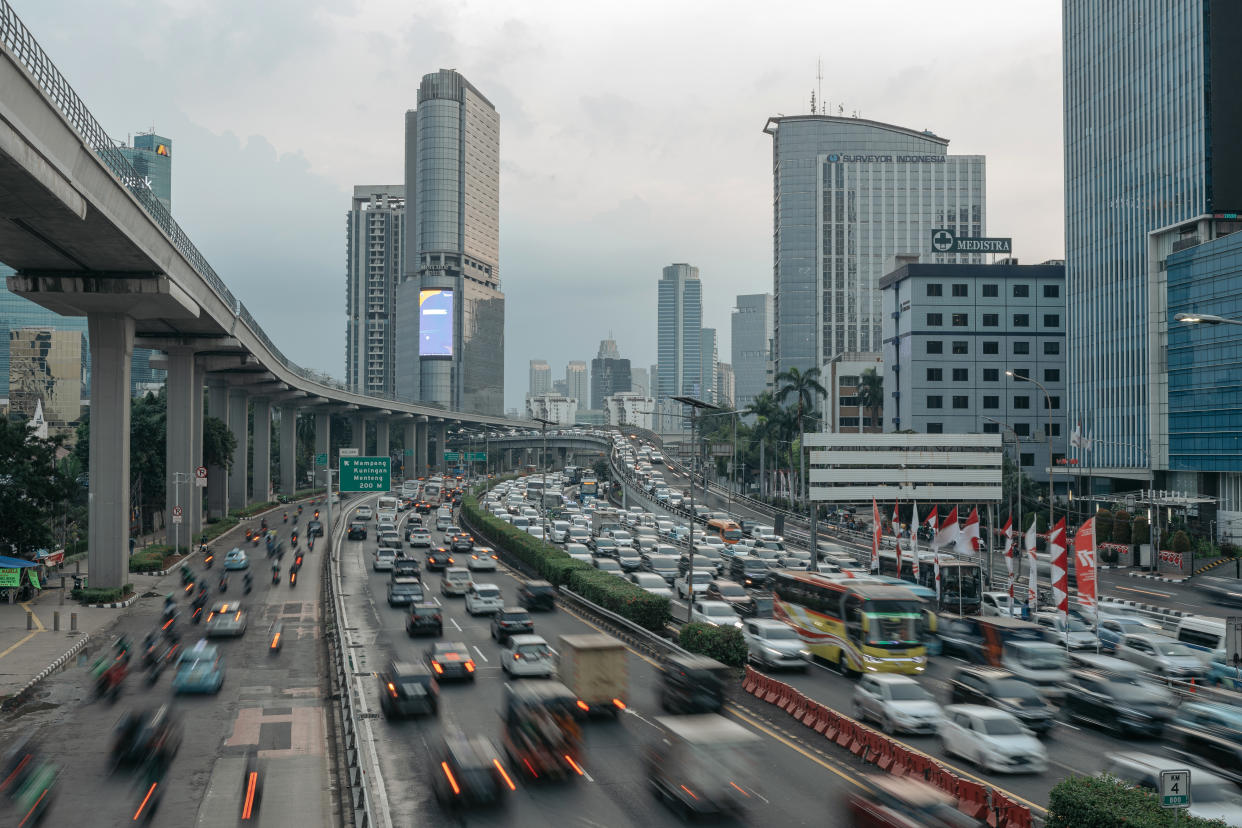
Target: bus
x=386 y=509
x=431 y=491
x=725 y=529
x=861 y=627
x=961 y=582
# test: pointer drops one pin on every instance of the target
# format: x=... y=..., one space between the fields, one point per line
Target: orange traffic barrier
x=811 y=716
x=845 y=731
x=748 y=680
x=972 y=798
x=773 y=690
x=832 y=724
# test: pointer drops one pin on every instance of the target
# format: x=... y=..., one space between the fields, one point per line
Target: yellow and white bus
x=725 y=529
x=860 y=627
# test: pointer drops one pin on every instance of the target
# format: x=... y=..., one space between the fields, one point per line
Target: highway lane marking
x=822 y=762
x=455 y=624
x=480 y=652
x=1146 y=591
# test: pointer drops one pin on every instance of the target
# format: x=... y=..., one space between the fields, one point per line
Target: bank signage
x=945 y=241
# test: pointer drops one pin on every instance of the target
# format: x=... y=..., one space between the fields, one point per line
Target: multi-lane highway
x=272 y=704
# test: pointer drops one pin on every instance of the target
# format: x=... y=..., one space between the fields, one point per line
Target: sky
x=631 y=135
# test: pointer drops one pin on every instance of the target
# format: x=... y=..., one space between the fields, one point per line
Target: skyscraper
x=726 y=386
x=450 y=310
x=540 y=377
x=576 y=382
x=708 y=354
x=374 y=257
x=679 y=320
x=151 y=157
x=1152 y=119
x=640 y=381
x=848 y=194
x=610 y=374
x=751 y=343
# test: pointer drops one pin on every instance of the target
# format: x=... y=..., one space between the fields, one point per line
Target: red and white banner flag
x=1008 y=533
x=914 y=541
x=1059 y=569
x=1084 y=564
x=1032 y=569
x=933 y=524
x=949 y=530
x=897 y=535
x=875 y=536
x=968 y=540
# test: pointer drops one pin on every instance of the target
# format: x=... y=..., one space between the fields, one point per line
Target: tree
x=218 y=443
x=764 y=409
x=33 y=488
x=1103 y=525
x=871 y=397
x=1140 y=530
x=804 y=387
x=1181 y=542
x=1121 y=526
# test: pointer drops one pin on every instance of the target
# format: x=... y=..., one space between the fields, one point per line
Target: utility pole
x=695 y=404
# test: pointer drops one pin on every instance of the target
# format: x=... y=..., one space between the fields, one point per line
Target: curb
x=1211 y=566
x=1147 y=576
x=20 y=696
x=115 y=604
x=1148 y=607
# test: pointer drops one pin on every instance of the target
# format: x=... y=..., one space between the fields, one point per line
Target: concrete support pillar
x=358 y=436
x=288 y=449
x=262 y=476
x=411 y=464
x=560 y=456
x=420 y=448
x=381 y=438
x=323 y=438
x=112 y=347
x=239 y=404
x=197 y=515
x=179 y=446
x=217 y=485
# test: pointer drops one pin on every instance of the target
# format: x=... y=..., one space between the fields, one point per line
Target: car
x=460 y=542
x=992 y=739
x=483 y=599
x=482 y=559
x=424 y=618
x=535 y=531
x=536 y=596
x=407 y=689
x=405 y=591
x=384 y=557
x=651 y=582
x=314 y=529
x=422 y=507
x=200 y=669
x=357 y=531
x=456 y=581
x=999 y=603
x=1071 y=632
x=528 y=655
x=1211 y=796
x=607 y=565
x=451 y=660
x=715 y=613
x=1124 y=704
x=511 y=621
x=1112 y=630
x=731 y=593
x=1003 y=690
x=474 y=761
x=1210 y=733
x=443 y=523
x=403 y=567
x=1161 y=655
x=774 y=644
x=439 y=559
x=702 y=577
x=629 y=559
x=418 y=537
x=225 y=618
x=898 y=703
x=236 y=559
x=606 y=547
x=749 y=571
x=364 y=513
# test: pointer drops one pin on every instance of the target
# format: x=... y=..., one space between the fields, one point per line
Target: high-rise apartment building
x=640 y=381
x=609 y=375
x=679 y=322
x=849 y=193
x=450 y=310
x=577 y=381
x=708 y=354
x=374 y=258
x=751 y=342
x=1153 y=112
x=540 y=377
x=726 y=385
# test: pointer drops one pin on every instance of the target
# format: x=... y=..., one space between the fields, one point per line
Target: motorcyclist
x=248 y=580
x=299 y=508
x=263 y=524
x=170 y=606
x=224 y=581
x=276 y=571
x=286 y=518
x=200 y=600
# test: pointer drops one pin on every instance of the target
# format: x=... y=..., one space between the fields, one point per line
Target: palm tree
x=805 y=388
x=871 y=396
x=765 y=410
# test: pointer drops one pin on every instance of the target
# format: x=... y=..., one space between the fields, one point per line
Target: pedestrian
x=131 y=546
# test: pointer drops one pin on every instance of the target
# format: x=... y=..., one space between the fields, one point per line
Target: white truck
x=595 y=668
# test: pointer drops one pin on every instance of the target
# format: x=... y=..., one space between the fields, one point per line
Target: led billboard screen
x=435 y=322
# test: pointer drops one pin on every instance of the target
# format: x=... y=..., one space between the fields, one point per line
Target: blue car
x=236 y=559
x=1112 y=630
x=1221 y=672
x=199 y=670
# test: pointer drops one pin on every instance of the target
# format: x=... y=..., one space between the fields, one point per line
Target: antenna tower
x=819 y=84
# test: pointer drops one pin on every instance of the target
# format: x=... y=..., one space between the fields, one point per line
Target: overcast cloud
x=630 y=135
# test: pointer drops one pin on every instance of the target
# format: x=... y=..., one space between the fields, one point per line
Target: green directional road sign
x=476 y=457
x=366 y=474
x=321 y=459
x=452 y=456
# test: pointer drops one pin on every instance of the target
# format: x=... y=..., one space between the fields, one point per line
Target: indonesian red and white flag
x=1084 y=564
x=968 y=539
x=897 y=535
x=1059 y=569
x=1032 y=569
x=949 y=530
x=933 y=524
x=875 y=536
x=914 y=541
x=1008 y=533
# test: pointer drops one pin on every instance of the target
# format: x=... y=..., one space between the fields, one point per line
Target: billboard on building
x=435 y=322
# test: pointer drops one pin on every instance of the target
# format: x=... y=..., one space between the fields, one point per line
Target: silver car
x=774 y=644
x=898 y=703
x=1162 y=655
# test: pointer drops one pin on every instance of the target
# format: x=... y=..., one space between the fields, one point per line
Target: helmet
x=169 y=597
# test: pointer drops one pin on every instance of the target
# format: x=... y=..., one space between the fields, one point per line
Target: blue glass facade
x=18 y=312
x=1205 y=361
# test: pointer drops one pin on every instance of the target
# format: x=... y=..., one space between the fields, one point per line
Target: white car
x=992 y=739
x=771 y=643
x=535 y=531
x=384 y=556
x=528 y=655
x=363 y=513
x=560 y=531
x=999 y=603
x=716 y=613
x=702 y=577
x=651 y=582
x=607 y=565
x=482 y=559
x=484 y=599
x=420 y=537
x=898 y=703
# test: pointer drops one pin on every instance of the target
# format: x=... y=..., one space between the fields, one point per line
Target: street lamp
x=1048 y=401
x=695 y=404
x=1017 y=449
x=543 y=476
x=1205 y=319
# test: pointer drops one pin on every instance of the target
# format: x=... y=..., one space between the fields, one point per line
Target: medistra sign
x=946 y=241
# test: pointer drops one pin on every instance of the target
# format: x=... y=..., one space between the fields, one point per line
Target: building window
x=1027 y=458
x=934 y=320
x=991 y=291
x=1058 y=458
x=1052 y=320
x=961 y=346
x=1052 y=429
x=961 y=290
x=960 y=320
x=991 y=347
x=1021 y=402
x=1021 y=320
x=934 y=289
x=1021 y=291
x=961 y=402
x=935 y=401
x=1052 y=348
x=991 y=375
x=961 y=375
x=1022 y=429
x=847 y=381
x=991 y=320
x=991 y=428
x=1021 y=373
x=935 y=374
x=1052 y=291
x=1054 y=400
x=991 y=402
x=1052 y=375
x=1021 y=347
x=935 y=346
x=935 y=428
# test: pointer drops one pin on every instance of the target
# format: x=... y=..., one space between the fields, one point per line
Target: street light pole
x=1017 y=450
x=543 y=476
x=1048 y=402
x=695 y=404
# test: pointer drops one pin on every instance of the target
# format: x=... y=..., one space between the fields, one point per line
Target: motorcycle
x=275 y=575
x=293 y=578
x=286 y=517
x=247 y=582
x=224 y=582
x=274 y=646
x=208 y=560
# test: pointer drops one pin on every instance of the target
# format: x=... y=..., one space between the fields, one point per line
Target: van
x=1041 y=663
x=456 y=581
x=1206 y=634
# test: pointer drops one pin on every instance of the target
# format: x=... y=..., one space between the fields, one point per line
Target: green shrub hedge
x=554 y=565
x=253 y=509
x=216 y=528
x=91 y=595
x=725 y=644
x=1106 y=803
x=150 y=559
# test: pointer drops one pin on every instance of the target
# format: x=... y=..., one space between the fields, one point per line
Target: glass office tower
x=679 y=338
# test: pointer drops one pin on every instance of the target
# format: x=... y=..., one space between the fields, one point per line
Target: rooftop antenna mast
x=819 y=84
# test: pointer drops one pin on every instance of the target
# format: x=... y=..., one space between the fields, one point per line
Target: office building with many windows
x=47 y=371
x=374 y=258
x=540 y=377
x=577 y=381
x=708 y=357
x=751 y=342
x=951 y=332
x=679 y=341
x=848 y=194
